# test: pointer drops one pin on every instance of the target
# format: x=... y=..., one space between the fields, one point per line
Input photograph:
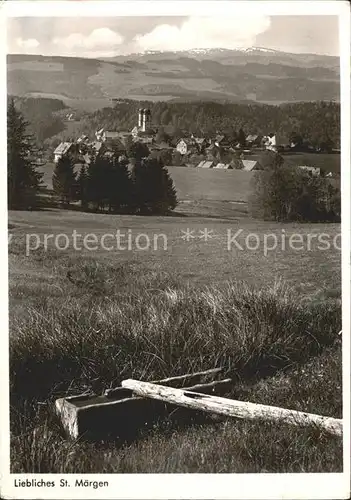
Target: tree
x=82 y=187
x=64 y=180
x=109 y=184
x=119 y=186
x=242 y=138
x=287 y=193
x=161 y=136
x=137 y=151
x=154 y=191
x=97 y=191
x=23 y=181
x=270 y=159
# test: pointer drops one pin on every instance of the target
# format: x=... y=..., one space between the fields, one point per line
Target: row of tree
x=109 y=184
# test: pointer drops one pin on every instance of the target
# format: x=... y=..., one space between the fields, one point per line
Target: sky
x=112 y=36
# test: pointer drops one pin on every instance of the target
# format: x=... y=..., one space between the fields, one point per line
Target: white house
x=61 y=150
x=186 y=145
x=270 y=142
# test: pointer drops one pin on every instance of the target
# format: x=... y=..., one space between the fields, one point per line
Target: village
x=217 y=152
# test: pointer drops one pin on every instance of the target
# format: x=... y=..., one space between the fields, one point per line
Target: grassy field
x=326 y=162
x=195 y=184
x=271 y=320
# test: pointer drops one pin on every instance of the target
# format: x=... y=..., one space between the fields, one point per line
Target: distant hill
x=248 y=75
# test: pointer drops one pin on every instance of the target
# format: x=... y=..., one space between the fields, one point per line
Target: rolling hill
x=248 y=75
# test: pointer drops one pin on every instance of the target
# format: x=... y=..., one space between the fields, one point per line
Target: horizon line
x=146 y=52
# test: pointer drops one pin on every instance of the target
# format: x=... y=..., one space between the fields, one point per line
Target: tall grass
x=104 y=325
x=91 y=341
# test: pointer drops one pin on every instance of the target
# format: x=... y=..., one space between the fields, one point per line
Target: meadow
x=196 y=184
x=270 y=318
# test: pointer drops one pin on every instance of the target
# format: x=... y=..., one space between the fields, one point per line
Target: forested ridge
x=43 y=115
x=315 y=122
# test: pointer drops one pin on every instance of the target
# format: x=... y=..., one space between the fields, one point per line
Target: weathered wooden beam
x=231 y=408
x=94 y=416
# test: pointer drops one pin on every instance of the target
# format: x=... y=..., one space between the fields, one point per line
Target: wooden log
x=189 y=379
x=232 y=408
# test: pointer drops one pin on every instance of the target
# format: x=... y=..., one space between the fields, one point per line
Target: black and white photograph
x=178 y=240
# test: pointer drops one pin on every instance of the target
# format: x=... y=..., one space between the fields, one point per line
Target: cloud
x=29 y=44
x=99 y=41
x=205 y=32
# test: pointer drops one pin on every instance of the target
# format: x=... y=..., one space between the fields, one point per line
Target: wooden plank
x=230 y=407
x=179 y=381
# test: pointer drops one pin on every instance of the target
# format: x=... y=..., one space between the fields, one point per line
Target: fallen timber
x=119 y=411
x=231 y=408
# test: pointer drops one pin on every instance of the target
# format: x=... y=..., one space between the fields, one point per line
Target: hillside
x=254 y=75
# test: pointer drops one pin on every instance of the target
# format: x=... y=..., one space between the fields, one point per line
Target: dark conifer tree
x=120 y=186
x=154 y=191
x=98 y=180
x=64 y=180
x=242 y=138
x=82 y=187
x=137 y=151
x=23 y=180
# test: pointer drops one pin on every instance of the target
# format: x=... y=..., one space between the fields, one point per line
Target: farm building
x=110 y=136
x=270 y=142
x=316 y=171
x=223 y=166
x=250 y=165
x=222 y=141
x=187 y=146
x=61 y=150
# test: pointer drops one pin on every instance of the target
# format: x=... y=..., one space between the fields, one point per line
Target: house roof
x=111 y=135
x=249 y=165
x=201 y=164
x=207 y=164
x=62 y=148
x=252 y=137
x=219 y=138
